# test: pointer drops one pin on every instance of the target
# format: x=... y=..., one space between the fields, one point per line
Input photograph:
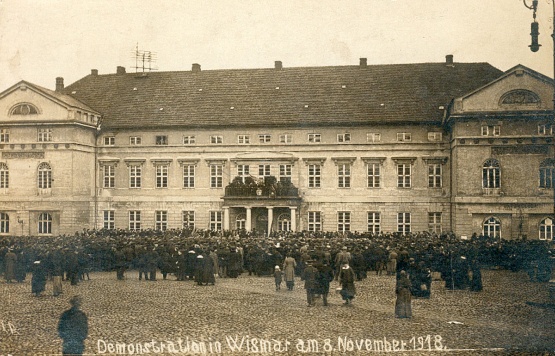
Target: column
x=226 y=218
x=270 y=218
x=293 y=218
x=248 y=223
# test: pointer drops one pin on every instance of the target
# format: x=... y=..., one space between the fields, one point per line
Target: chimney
x=94 y=71
x=363 y=63
x=120 y=70
x=59 y=84
x=449 y=60
x=278 y=65
x=195 y=68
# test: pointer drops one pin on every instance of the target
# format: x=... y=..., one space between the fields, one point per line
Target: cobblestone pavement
x=163 y=316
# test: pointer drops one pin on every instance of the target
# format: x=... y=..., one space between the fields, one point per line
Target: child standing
x=278 y=275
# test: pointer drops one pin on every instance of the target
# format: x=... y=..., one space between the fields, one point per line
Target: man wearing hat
x=342 y=258
x=10 y=259
x=310 y=275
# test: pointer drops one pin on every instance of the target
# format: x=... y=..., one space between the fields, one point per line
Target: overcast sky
x=43 y=39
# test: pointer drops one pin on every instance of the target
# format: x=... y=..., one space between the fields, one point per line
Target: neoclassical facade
x=447 y=146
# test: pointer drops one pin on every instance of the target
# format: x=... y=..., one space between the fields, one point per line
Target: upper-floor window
x=189 y=140
x=188 y=176
x=285 y=173
x=345 y=137
x=547 y=170
x=263 y=171
x=264 y=138
x=4 y=135
x=243 y=171
x=314 y=175
x=4 y=176
x=216 y=175
x=373 y=176
x=44 y=176
x=314 y=137
x=491 y=130
x=344 y=175
x=491 y=174
x=109 y=176
x=373 y=137
x=435 y=136
x=545 y=129
x=162 y=175
x=285 y=138
x=135 y=140
x=135 y=176
x=161 y=140
x=44 y=135
x=434 y=175
x=109 y=140
x=216 y=139
x=404 y=175
x=243 y=139
x=24 y=109
x=404 y=136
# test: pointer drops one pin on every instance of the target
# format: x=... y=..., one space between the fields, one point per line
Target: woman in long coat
x=403 y=307
x=347 y=281
x=10 y=260
x=289 y=266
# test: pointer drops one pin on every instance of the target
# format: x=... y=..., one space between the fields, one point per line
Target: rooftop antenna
x=144 y=60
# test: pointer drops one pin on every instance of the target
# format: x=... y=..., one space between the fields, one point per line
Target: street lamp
x=534 y=47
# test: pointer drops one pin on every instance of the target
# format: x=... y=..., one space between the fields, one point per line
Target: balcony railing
x=277 y=190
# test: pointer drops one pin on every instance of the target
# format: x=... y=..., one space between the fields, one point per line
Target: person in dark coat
x=347 y=282
x=10 y=260
x=38 y=281
x=57 y=271
x=403 y=308
x=72 y=265
x=323 y=280
x=310 y=274
x=476 y=281
x=20 y=267
x=73 y=328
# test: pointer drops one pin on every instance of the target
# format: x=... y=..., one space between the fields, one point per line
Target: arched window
x=491 y=174
x=284 y=222
x=4 y=223
x=241 y=222
x=44 y=176
x=546 y=173
x=546 y=229
x=45 y=224
x=24 y=109
x=492 y=227
x=4 y=176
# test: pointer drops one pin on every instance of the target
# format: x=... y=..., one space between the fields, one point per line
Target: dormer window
x=24 y=109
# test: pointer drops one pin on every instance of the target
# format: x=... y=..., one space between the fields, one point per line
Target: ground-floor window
x=546 y=229
x=492 y=227
x=374 y=222
x=284 y=222
x=188 y=219
x=135 y=220
x=45 y=223
x=434 y=222
x=343 y=221
x=314 y=221
x=241 y=222
x=161 y=220
x=403 y=223
x=109 y=219
x=216 y=220
x=4 y=223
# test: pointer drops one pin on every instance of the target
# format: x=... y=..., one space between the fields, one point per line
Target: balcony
x=267 y=192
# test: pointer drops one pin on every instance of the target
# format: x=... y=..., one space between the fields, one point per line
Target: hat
x=344 y=247
x=277 y=267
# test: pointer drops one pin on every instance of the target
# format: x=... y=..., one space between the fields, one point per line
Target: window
x=547 y=170
x=344 y=175
x=109 y=176
x=189 y=140
x=188 y=219
x=243 y=139
x=135 y=220
x=491 y=174
x=491 y=130
x=162 y=175
x=492 y=227
x=314 y=174
x=4 y=223
x=346 y=137
x=161 y=220
x=241 y=222
x=109 y=219
x=243 y=171
x=435 y=136
x=24 y=109
x=161 y=140
x=373 y=177
x=372 y=137
x=216 y=220
x=546 y=229
x=135 y=172
x=343 y=221
x=404 y=136
x=284 y=222
x=44 y=135
x=545 y=129
x=264 y=138
x=109 y=140
x=404 y=175
x=4 y=135
x=314 y=138
x=434 y=175
x=135 y=140
x=285 y=138
x=188 y=176
x=374 y=222
x=216 y=139
x=434 y=222
x=45 y=224
x=44 y=176
x=285 y=173
x=263 y=170
x=403 y=223
x=4 y=176
x=314 y=221
x=216 y=175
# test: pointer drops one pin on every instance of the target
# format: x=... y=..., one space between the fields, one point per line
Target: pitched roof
x=306 y=96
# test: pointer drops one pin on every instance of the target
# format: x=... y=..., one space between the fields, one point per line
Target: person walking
x=310 y=274
x=73 y=328
x=325 y=276
x=289 y=266
x=347 y=282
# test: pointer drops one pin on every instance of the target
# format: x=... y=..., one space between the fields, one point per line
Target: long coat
x=403 y=307
x=310 y=275
x=10 y=260
x=325 y=276
x=347 y=281
x=289 y=266
x=38 y=281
